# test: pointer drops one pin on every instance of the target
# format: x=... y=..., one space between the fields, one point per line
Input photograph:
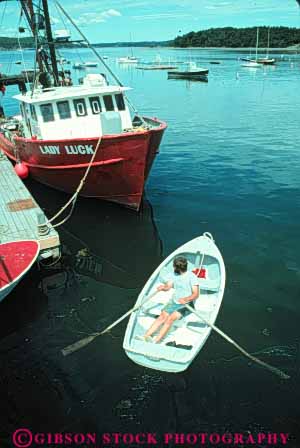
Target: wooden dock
x=20 y=214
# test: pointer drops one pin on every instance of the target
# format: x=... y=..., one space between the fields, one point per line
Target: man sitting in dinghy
x=186 y=289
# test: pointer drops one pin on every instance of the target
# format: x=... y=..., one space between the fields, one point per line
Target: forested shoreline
x=280 y=37
x=12 y=43
x=229 y=37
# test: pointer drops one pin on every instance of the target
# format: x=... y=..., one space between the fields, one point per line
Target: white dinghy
x=188 y=335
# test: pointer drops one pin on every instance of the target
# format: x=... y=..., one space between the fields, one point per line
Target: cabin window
x=95 y=105
x=33 y=112
x=108 y=101
x=80 y=107
x=47 y=112
x=63 y=108
x=120 y=101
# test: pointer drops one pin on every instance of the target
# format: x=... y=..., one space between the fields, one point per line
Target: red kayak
x=16 y=258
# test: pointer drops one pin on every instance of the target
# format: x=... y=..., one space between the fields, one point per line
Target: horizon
x=165 y=41
x=115 y=21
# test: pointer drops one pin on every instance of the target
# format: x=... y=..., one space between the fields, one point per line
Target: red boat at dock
x=79 y=137
x=16 y=258
x=118 y=173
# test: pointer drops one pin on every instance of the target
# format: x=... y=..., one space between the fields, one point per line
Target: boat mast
x=27 y=8
x=257 y=36
x=33 y=18
x=268 y=48
x=50 y=42
x=28 y=11
x=131 y=45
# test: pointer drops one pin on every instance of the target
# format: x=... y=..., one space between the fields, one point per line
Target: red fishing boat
x=66 y=133
x=16 y=258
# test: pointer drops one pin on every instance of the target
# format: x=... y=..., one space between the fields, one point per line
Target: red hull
x=16 y=258
x=118 y=173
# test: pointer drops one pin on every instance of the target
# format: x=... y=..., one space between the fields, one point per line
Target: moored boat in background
x=79 y=66
x=192 y=71
x=266 y=61
x=128 y=60
x=91 y=64
x=251 y=64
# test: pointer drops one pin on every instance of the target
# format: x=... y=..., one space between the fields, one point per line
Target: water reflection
x=23 y=305
x=188 y=82
x=104 y=241
x=107 y=253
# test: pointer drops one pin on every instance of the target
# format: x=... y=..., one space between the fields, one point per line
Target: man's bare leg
x=157 y=323
x=168 y=324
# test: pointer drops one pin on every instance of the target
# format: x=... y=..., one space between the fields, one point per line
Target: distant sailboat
x=266 y=60
x=129 y=59
x=253 y=63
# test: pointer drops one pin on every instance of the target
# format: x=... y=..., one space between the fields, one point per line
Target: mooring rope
x=73 y=199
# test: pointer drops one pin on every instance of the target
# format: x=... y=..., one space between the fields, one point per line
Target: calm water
x=229 y=164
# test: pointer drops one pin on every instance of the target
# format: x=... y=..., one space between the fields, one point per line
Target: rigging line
x=36 y=43
x=89 y=44
x=4 y=10
x=61 y=16
x=21 y=49
x=57 y=51
x=11 y=58
x=35 y=78
x=98 y=56
x=8 y=70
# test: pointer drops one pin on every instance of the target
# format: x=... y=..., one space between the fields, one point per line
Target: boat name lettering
x=79 y=149
x=50 y=149
x=69 y=149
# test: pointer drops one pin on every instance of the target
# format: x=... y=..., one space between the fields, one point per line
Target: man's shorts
x=172 y=306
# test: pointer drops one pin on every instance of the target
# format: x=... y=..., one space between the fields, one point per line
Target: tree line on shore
x=280 y=37
x=10 y=43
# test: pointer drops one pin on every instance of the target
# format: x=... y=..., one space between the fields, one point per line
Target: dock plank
x=19 y=212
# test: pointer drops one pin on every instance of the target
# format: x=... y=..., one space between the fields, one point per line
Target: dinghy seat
x=191 y=320
x=160 y=352
x=156 y=304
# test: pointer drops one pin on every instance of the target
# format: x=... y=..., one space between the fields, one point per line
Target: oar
x=231 y=341
x=85 y=341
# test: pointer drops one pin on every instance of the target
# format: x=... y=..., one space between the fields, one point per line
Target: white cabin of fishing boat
x=91 y=109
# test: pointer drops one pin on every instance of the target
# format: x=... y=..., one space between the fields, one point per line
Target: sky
x=138 y=20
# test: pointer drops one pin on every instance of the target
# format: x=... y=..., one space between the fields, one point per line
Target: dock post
x=42 y=226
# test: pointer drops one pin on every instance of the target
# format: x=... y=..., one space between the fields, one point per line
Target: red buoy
x=22 y=170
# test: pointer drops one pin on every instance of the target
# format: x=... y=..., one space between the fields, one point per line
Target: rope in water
x=236 y=345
